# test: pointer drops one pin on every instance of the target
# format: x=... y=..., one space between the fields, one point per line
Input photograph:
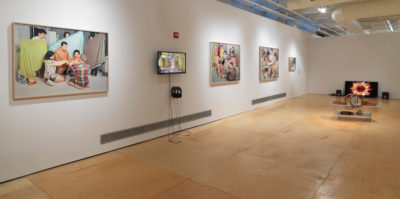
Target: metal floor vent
x=269 y=98
x=110 y=137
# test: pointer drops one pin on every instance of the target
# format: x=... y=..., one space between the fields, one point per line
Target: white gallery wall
x=43 y=133
x=334 y=60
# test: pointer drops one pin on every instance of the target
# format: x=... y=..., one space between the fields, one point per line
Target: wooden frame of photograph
x=34 y=77
x=228 y=71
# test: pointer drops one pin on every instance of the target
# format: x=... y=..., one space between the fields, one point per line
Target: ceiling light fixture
x=322 y=10
x=390 y=25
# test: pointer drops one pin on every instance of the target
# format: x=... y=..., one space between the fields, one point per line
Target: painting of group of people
x=225 y=63
x=51 y=61
x=269 y=64
x=292 y=64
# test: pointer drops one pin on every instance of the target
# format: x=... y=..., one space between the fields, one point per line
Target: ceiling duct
x=349 y=14
x=304 y=4
x=278 y=12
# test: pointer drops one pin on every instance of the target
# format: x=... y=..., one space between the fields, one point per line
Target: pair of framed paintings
x=225 y=64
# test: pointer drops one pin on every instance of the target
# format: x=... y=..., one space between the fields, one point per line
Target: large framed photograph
x=292 y=64
x=52 y=61
x=269 y=64
x=225 y=64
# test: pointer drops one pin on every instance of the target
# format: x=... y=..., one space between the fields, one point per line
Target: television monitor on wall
x=374 y=87
x=171 y=62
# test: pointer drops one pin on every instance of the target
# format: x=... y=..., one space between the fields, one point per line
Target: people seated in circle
x=77 y=57
x=66 y=34
x=81 y=78
x=41 y=34
x=50 y=65
x=61 y=54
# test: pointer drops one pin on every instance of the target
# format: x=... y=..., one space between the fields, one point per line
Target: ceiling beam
x=300 y=15
x=303 y=4
x=285 y=16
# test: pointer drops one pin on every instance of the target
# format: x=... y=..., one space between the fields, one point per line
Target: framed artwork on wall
x=225 y=64
x=269 y=64
x=292 y=64
x=52 y=61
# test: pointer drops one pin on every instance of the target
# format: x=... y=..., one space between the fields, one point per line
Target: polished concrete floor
x=294 y=149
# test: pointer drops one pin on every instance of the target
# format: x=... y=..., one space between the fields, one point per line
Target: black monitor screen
x=171 y=62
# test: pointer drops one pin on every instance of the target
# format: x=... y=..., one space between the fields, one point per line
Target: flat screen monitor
x=374 y=87
x=171 y=62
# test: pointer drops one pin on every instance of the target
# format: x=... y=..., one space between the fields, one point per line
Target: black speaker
x=385 y=95
x=338 y=92
x=176 y=92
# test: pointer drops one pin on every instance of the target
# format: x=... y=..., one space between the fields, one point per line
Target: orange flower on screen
x=361 y=89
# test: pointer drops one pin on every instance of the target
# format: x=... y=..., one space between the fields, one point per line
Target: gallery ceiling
x=329 y=17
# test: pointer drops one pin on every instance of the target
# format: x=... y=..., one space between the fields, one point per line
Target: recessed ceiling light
x=322 y=10
x=390 y=25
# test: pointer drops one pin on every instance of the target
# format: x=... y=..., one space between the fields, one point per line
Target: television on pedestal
x=374 y=88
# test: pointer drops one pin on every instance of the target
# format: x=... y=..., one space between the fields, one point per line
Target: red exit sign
x=176 y=35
